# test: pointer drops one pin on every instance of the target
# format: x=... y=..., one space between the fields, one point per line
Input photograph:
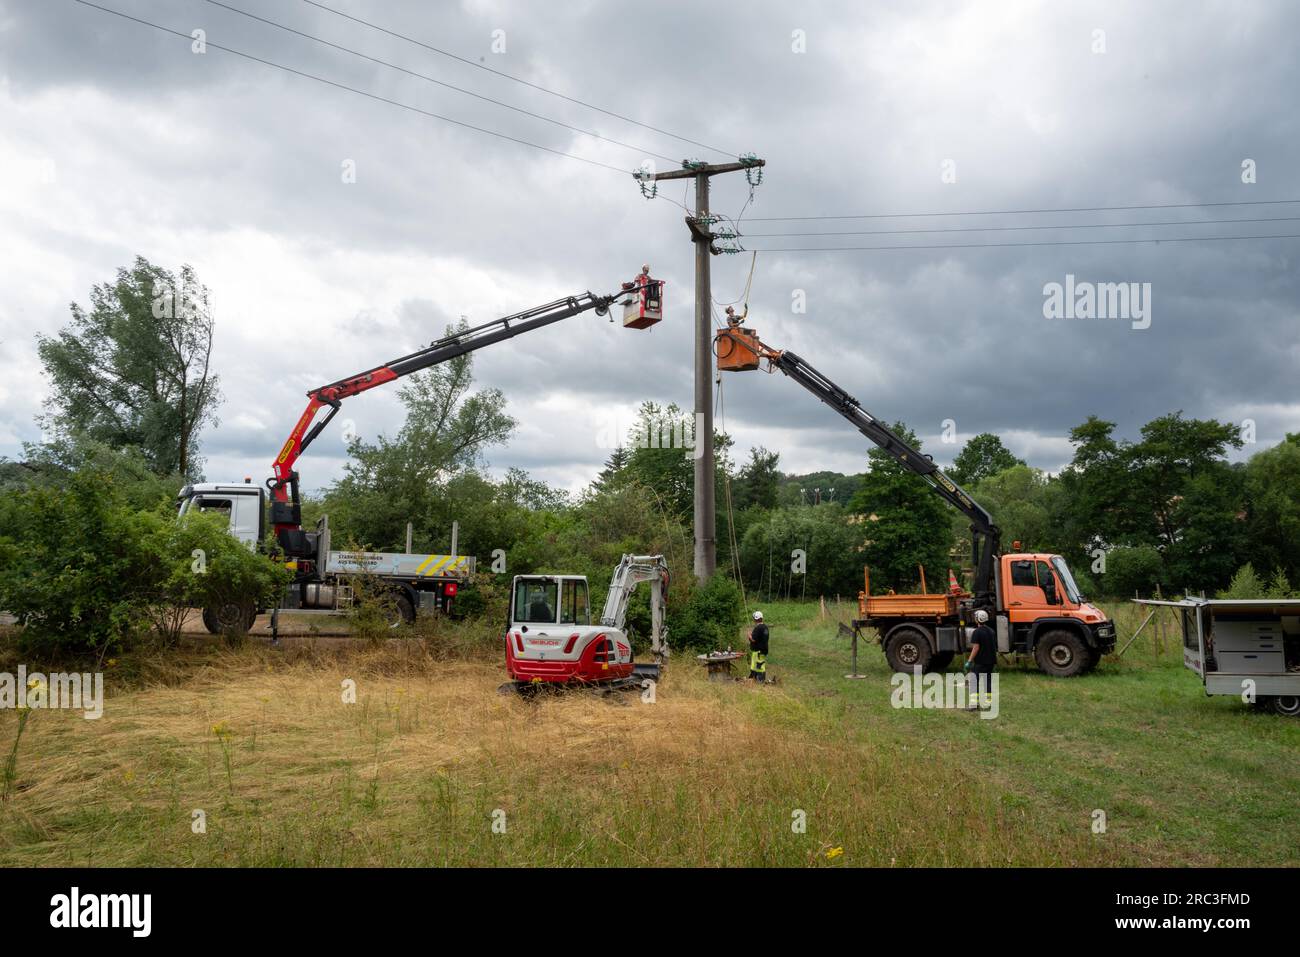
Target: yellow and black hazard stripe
x=444 y=565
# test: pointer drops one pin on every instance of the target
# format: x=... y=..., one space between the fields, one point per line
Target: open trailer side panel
x=1241 y=647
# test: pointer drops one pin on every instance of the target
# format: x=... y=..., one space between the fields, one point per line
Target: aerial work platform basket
x=738 y=349
x=646 y=306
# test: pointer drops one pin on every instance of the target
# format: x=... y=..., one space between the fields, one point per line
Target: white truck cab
x=244 y=505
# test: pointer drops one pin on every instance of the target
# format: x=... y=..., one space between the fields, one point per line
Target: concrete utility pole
x=706 y=546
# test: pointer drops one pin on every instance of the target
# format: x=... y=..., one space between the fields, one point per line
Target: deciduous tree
x=135 y=368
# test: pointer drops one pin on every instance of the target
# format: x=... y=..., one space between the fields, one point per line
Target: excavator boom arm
x=630 y=572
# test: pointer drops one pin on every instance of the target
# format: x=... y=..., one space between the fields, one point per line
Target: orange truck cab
x=1042 y=612
x=1038 y=611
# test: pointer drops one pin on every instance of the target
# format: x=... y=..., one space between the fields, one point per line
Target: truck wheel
x=908 y=650
x=1062 y=654
x=233 y=617
x=941 y=661
x=1287 y=705
x=210 y=622
x=405 y=612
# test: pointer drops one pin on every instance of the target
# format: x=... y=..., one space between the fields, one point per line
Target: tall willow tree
x=134 y=370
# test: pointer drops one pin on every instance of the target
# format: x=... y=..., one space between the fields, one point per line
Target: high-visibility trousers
x=982 y=681
x=758 y=665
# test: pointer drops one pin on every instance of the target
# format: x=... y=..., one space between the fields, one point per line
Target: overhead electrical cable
x=352 y=89
x=514 y=79
x=1019 y=212
x=422 y=76
x=1002 y=229
x=1073 y=242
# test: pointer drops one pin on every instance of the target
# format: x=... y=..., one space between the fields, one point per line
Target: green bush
x=830 y=540
x=73 y=568
x=482 y=597
x=1087 y=584
x=199 y=564
x=86 y=572
x=711 y=618
x=1247 y=583
x=375 y=608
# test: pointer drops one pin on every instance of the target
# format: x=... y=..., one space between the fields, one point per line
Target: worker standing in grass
x=758 y=649
x=982 y=661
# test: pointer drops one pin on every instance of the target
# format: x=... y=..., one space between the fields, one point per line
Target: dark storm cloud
x=860 y=123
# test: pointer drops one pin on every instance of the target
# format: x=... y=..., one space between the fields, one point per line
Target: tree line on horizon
x=133 y=388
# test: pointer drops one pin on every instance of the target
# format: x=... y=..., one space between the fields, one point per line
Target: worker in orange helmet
x=758 y=643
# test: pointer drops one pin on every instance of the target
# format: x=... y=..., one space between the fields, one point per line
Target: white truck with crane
x=1031 y=598
x=422 y=583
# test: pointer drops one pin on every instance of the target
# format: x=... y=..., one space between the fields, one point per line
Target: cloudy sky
x=117 y=140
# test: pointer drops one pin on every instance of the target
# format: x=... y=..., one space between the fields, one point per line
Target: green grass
x=712 y=774
x=1181 y=777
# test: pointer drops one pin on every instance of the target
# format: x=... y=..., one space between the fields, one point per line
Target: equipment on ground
x=1032 y=597
x=552 y=641
x=422 y=582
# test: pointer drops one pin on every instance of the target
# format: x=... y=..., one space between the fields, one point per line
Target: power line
x=1001 y=229
x=513 y=79
x=351 y=89
x=744 y=296
x=1017 y=212
x=430 y=79
x=1075 y=242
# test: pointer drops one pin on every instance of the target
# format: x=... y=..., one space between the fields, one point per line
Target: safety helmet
x=981 y=616
x=758 y=616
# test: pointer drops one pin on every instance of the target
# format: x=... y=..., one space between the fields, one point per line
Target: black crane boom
x=986 y=537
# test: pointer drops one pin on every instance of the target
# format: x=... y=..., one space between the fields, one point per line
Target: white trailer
x=1247 y=648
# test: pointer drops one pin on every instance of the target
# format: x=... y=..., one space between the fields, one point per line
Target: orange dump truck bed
x=925 y=605
x=908 y=606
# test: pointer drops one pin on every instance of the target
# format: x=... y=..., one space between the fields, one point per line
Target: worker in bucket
x=982 y=661
x=758 y=649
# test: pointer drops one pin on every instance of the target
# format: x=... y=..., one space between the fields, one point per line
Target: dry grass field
x=430 y=766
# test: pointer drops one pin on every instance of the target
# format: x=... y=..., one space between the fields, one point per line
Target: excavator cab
x=551 y=637
x=552 y=640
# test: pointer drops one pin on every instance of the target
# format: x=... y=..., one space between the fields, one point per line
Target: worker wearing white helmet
x=982 y=661
x=758 y=643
